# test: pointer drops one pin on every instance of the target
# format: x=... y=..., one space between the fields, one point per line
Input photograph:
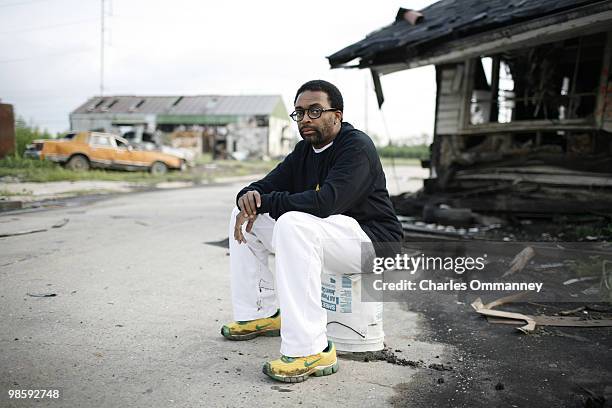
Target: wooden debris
x=557 y=321
x=529 y=327
x=520 y=261
x=572 y=311
x=502 y=317
x=576 y=280
x=457 y=217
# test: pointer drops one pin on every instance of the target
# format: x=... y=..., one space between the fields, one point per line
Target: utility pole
x=102 y=51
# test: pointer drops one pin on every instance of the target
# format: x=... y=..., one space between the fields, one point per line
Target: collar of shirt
x=322 y=148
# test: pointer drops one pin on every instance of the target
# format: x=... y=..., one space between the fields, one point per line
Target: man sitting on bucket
x=314 y=211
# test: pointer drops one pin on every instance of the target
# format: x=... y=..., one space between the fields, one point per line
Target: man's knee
x=291 y=222
x=291 y=219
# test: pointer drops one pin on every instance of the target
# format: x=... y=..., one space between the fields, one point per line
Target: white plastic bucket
x=352 y=325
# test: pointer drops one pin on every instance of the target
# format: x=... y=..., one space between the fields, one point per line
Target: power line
x=24 y=30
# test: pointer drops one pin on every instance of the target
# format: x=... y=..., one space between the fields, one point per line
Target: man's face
x=320 y=131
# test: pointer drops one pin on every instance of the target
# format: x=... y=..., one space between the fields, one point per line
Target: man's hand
x=241 y=218
x=248 y=203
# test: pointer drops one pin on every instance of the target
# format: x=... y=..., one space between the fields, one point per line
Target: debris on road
x=447 y=215
x=13 y=234
x=520 y=261
x=440 y=367
x=482 y=309
x=595 y=400
x=572 y=311
x=59 y=224
x=503 y=317
x=42 y=295
x=576 y=280
x=457 y=217
x=385 y=354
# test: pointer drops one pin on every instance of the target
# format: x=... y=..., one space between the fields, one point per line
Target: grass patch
x=44 y=171
x=19 y=163
x=23 y=169
x=419 y=152
x=204 y=158
x=8 y=193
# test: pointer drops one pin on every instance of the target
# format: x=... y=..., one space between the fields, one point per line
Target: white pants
x=304 y=245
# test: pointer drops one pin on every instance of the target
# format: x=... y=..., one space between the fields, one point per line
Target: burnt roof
x=445 y=21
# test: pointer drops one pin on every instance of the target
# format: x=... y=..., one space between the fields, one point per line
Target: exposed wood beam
x=529 y=126
x=602 y=95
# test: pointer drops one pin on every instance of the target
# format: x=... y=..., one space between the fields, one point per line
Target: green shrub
x=25 y=134
x=406 y=152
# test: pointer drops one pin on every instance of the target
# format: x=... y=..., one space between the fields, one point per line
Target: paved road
x=140 y=298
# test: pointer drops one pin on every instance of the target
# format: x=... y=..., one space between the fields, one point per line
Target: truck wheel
x=159 y=168
x=78 y=163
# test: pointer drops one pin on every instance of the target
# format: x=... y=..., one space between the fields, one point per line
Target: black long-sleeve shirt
x=346 y=178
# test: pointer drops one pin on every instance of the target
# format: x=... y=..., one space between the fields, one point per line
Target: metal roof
x=445 y=21
x=211 y=105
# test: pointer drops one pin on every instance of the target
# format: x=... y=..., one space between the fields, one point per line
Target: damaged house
x=239 y=126
x=523 y=116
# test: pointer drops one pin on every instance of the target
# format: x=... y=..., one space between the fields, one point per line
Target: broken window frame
x=589 y=122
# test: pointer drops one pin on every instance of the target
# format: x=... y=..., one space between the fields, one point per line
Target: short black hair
x=333 y=93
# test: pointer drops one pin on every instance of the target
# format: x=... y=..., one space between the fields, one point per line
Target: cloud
x=195 y=47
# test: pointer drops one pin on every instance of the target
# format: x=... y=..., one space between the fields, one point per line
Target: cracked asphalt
x=122 y=306
x=139 y=301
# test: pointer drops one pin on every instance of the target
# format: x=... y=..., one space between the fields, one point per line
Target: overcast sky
x=50 y=60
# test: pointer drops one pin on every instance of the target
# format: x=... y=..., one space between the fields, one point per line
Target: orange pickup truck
x=85 y=150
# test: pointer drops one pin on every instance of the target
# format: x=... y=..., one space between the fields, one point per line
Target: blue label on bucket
x=328 y=295
x=345 y=295
x=345 y=301
x=328 y=306
x=337 y=296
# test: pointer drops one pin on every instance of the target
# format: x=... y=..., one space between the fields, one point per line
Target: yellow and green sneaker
x=298 y=369
x=268 y=326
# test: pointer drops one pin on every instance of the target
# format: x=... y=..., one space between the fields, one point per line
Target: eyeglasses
x=313 y=113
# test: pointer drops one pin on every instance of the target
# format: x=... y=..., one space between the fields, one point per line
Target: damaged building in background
x=523 y=116
x=7 y=130
x=249 y=126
